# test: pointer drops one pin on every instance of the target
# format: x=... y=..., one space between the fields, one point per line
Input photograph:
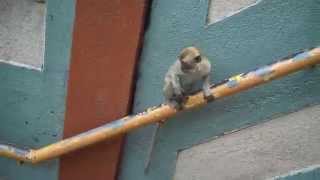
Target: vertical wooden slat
x=105 y=48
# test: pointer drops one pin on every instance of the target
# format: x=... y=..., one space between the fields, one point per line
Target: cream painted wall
x=22 y=32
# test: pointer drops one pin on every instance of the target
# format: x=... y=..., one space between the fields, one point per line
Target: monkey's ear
x=184 y=53
x=182 y=56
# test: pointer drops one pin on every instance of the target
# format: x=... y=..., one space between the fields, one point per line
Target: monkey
x=190 y=69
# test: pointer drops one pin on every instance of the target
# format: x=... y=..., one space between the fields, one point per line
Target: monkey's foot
x=176 y=105
x=161 y=122
x=209 y=98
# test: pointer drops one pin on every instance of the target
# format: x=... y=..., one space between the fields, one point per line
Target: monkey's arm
x=206 y=89
x=176 y=86
x=178 y=97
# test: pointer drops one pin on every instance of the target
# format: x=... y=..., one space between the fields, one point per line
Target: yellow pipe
x=162 y=112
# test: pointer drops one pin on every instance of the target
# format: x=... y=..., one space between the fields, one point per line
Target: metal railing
x=163 y=112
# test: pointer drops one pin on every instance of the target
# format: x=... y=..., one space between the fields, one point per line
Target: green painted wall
x=32 y=103
x=257 y=36
x=310 y=173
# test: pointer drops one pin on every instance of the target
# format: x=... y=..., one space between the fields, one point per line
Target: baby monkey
x=189 y=71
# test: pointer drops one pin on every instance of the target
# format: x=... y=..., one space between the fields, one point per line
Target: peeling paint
x=117 y=124
x=264 y=72
x=232 y=83
x=301 y=56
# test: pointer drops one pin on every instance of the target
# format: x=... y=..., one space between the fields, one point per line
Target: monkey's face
x=189 y=58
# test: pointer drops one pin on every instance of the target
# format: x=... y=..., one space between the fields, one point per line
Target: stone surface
x=221 y=9
x=259 y=152
x=22 y=31
x=308 y=173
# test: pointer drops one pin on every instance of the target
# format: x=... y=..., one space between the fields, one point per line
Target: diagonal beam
x=228 y=87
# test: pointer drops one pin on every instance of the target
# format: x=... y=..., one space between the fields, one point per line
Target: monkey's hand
x=209 y=98
x=181 y=98
x=178 y=91
x=179 y=101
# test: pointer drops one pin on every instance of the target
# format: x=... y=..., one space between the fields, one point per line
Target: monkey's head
x=189 y=58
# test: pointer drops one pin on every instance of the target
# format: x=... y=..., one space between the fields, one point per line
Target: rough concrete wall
x=309 y=173
x=269 y=149
x=22 y=31
x=32 y=103
x=270 y=30
x=222 y=9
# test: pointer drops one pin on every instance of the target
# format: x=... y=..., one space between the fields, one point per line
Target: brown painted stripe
x=105 y=48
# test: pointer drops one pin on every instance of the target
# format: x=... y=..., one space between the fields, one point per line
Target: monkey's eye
x=197 y=59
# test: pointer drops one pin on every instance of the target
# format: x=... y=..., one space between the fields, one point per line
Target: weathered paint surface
x=104 y=52
x=22 y=27
x=309 y=173
x=222 y=9
x=256 y=153
x=32 y=103
x=160 y=113
x=270 y=30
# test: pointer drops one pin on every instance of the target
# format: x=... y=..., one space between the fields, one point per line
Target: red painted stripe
x=105 y=48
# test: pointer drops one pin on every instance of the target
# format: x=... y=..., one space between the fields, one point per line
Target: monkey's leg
x=206 y=89
x=180 y=101
x=177 y=104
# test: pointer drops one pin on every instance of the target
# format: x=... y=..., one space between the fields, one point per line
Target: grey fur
x=179 y=82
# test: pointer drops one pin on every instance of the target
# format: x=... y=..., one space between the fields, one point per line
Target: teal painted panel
x=255 y=37
x=310 y=173
x=32 y=103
